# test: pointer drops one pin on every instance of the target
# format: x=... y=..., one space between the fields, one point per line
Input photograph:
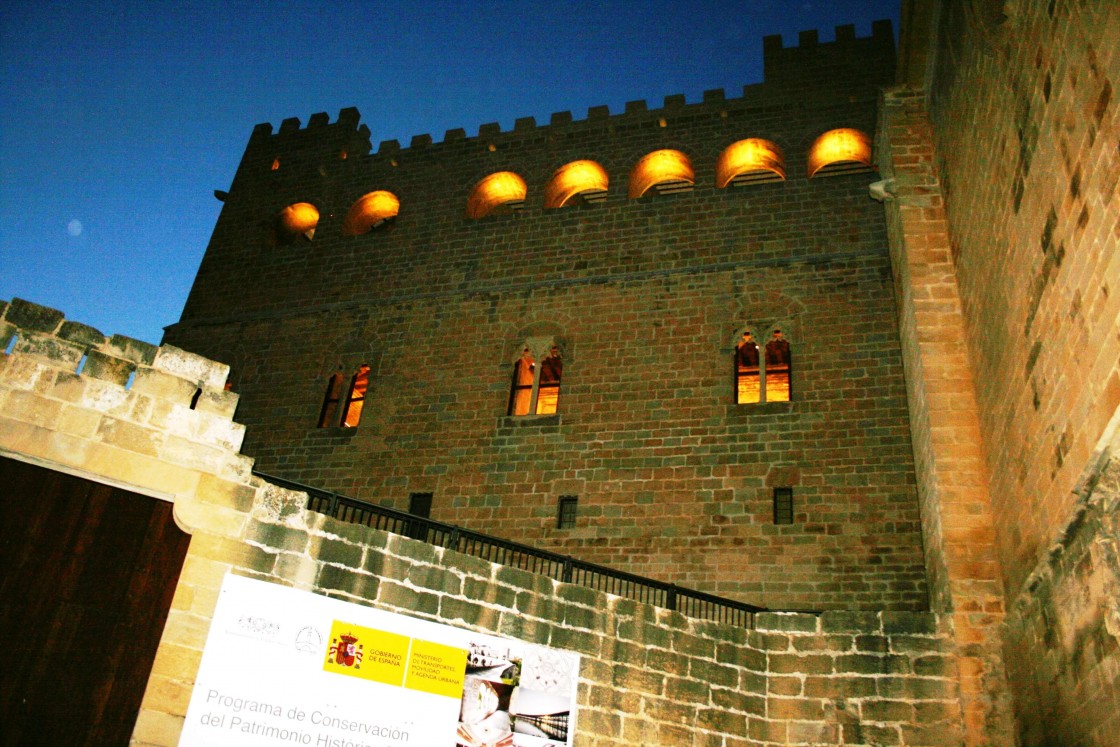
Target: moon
x=74 y=227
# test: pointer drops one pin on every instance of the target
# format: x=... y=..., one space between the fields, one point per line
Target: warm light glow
x=356 y=400
x=548 y=399
x=659 y=167
x=299 y=219
x=843 y=146
x=749 y=389
x=777 y=386
x=370 y=211
x=498 y=189
x=751 y=156
x=573 y=179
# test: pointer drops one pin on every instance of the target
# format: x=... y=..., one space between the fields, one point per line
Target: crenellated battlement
x=826 y=69
x=159 y=400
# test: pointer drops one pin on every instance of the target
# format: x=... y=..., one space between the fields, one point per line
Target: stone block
x=217 y=402
x=469 y=612
x=81 y=334
x=850 y=622
x=219 y=431
x=231 y=494
x=107 y=368
x=130 y=437
x=192 y=367
x=435 y=578
x=683 y=691
x=234 y=552
x=872 y=664
x=584 y=642
x=336 y=552
x=804 y=664
x=59 y=353
x=920 y=623
x=31 y=317
x=361 y=585
x=693 y=645
x=887 y=710
x=157 y=728
x=719 y=720
x=583 y=618
x=137 y=351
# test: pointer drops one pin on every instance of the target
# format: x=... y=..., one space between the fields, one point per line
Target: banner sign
x=288 y=667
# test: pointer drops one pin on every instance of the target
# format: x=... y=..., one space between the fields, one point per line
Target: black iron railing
x=496 y=550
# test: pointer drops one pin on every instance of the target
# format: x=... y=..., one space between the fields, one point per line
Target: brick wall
x=1025 y=126
x=648 y=676
x=648 y=297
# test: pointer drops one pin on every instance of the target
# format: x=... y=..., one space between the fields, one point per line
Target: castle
x=621 y=247
x=843 y=346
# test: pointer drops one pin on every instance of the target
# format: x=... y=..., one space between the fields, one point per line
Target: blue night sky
x=119 y=120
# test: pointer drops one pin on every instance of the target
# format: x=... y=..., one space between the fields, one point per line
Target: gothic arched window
x=535 y=389
x=763 y=375
x=344 y=411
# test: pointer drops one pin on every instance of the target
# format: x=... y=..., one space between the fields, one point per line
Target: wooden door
x=87 y=573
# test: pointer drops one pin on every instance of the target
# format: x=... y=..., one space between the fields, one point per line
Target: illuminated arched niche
x=749 y=161
x=578 y=179
x=668 y=170
x=370 y=211
x=503 y=189
x=298 y=219
x=840 y=151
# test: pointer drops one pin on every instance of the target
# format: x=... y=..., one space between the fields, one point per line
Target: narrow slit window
x=356 y=397
x=783 y=505
x=748 y=377
x=566 y=510
x=521 y=393
x=548 y=391
x=778 y=369
x=328 y=415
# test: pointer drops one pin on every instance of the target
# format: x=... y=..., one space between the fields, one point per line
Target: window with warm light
x=578 y=182
x=500 y=192
x=750 y=161
x=841 y=151
x=296 y=221
x=340 y=411
x=535 y=389
x=665 y=171
x=763 y=375
x=371 y=211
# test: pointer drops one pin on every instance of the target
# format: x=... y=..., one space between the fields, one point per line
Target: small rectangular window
x=566 y=512
x=420 y=505
x=783 y=505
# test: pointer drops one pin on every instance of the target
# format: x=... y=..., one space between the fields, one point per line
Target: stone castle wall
x=648 y=298
x=157 y=421
x=1030 y=172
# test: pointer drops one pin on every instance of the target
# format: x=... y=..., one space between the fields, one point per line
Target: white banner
x=288 y=667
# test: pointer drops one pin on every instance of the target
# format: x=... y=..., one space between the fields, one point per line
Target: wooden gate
x=87 y=573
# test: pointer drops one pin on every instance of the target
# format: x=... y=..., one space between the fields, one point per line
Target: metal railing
x=553 y=565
